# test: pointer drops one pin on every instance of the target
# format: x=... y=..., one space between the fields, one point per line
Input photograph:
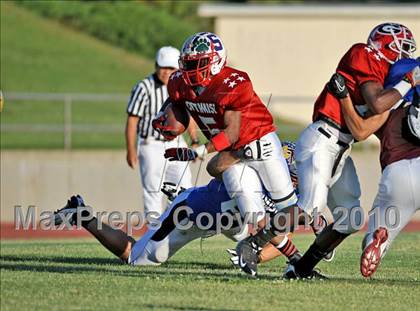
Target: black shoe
x=316 y=275
x=247 y=253
x=317 y=229
x=290 y=273
x=69 y=211
x=330 y=256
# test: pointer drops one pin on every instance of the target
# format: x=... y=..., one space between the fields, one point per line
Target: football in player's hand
x=177 y=119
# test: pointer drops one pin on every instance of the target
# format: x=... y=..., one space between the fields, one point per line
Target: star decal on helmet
x=232 y=84
x=176 y=75
x=240 y=78
x=234 y=74
x=226 y=80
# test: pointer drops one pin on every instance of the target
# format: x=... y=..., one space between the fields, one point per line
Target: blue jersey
x=212 y=199
x=397 y=73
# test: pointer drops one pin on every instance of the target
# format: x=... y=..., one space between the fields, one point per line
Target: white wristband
x=201 y=151
x=402 y=87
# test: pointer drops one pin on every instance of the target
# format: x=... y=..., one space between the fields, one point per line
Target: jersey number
x=208 y=123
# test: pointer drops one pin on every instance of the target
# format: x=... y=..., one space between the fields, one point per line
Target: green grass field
x=81 y=275
x=40 y=55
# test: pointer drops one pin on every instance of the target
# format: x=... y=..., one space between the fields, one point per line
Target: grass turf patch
x=80 y=274
x=39 y=55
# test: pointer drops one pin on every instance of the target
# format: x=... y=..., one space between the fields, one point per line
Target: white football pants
x=397 y=200
x=326 y=175
x=273 y=173
x=157 y=245
x=155 y=169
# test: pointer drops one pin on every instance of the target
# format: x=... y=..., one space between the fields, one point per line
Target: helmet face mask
x=392 y=41
x=405 y=48
x=202 y=56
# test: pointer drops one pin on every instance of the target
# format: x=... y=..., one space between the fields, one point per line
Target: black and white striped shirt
x=147 y=97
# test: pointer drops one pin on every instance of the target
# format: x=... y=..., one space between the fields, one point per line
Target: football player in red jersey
x=398 y=197
x=233 y=118
x=327 y=176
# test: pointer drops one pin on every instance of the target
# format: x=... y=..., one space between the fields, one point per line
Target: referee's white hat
x=167 y=56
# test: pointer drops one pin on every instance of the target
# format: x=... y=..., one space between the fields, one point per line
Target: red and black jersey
x=231 y=89
x=397 y=142
x=359 y=65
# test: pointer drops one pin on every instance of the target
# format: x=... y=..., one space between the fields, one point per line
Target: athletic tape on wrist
x=402 y=87
x=220 y=141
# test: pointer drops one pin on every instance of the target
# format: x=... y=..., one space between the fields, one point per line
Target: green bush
x=135 y=26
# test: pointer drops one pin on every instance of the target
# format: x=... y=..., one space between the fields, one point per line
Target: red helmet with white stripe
x=203 y=55
x=392 y=41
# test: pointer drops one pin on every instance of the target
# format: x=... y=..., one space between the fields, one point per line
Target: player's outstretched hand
x=413 y=77
x=337 y=86
x=180 y=154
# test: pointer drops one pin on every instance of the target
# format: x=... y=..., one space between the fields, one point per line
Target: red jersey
x=231 y=89
x=359 y=65
x=396 y=140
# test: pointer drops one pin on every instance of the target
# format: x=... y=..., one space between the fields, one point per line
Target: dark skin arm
x=377 y=99
x=359 y=127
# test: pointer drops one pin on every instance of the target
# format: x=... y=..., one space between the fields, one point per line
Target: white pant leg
x=316 y=155
x=177 y=172
x=158 y=244
x=152 y=168
x=243 y=184
x=274 y=174
x=149 y=252
x=343 y=197
x=397 y=200
x=155 y=169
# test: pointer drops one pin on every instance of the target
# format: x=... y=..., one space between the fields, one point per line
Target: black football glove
x=337 y=86
x=180 y=154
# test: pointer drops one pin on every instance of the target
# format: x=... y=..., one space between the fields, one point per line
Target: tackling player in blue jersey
x=195 y=213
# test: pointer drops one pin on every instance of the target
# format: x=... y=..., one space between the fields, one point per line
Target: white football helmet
x=203 y=55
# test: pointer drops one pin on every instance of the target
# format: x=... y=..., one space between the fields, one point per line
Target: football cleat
x=69 y=211
x=317 y=229
x=329 y=257
x=171 y=190
x=290 y=273
x=247 y=253
x=234 y=258
x=371 y=256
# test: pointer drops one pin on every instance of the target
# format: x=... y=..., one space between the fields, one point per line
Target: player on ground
x=327 y=176
x=237 y=124
x=159 y=244
x=398 y=197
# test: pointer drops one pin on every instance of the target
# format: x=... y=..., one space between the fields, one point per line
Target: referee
x=144 y=144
